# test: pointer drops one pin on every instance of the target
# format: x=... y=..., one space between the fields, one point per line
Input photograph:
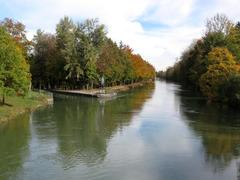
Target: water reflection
x=161 y=132
x=14 y=139
x=217 y=126
x=83 y=126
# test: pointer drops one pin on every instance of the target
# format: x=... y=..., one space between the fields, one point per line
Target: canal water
x=159 y=132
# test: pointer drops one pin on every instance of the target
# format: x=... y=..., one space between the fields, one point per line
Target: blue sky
x=159 y=30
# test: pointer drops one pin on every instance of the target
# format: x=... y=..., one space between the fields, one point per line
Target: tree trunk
x=91 y=84
x=40 y=85
x=30 y=86
x=3 y=99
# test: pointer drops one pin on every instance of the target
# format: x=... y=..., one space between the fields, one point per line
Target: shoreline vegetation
x=19 y=105
x=211 y=64
x=79 y=55
x=107 y=90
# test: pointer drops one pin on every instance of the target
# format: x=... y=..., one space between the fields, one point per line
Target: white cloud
x=178 y=22
x=228 y=7
x=169 y=12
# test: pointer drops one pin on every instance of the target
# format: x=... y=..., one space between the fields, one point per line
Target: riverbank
x=20 y=105
x=108 y=90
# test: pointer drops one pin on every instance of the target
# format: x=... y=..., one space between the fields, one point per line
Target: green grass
x=22 y=104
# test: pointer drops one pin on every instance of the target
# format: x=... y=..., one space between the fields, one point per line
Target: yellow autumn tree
x=222 y=66
x=220 y=55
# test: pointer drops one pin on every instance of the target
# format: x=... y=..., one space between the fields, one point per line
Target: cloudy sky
x=159 y=30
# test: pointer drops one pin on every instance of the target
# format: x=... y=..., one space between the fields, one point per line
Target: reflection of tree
x=14 y=137
x=84 y=125
x=238 y=170
x=218 y=128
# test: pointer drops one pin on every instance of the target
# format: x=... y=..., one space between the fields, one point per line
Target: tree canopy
x=211 y=63
x=80 y=54
x=18 y=32
x=14 y=70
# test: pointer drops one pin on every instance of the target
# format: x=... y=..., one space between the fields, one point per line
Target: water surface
x=160 y=132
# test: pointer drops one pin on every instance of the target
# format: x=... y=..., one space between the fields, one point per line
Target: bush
x=230 y=91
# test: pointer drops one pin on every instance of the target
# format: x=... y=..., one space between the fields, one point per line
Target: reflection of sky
x=157 y=145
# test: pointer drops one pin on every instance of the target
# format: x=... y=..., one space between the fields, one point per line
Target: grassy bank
x=21 y=105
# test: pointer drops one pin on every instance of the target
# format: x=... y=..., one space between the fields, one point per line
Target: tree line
x=77 y=56
x=211 y=64
x=80 y=54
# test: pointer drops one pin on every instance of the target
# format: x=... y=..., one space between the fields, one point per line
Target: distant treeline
x=77 y=56
x=212 y=64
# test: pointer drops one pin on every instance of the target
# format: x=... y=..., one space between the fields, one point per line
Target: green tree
x=215 y=77
x=211 y=63
x=44 y=59
x=230 y=91
x=79 y=54
x=65 y=38
x=233 y=41
x=14 y=70
x=18 y=32
x=74 y=70
x=90 y=37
